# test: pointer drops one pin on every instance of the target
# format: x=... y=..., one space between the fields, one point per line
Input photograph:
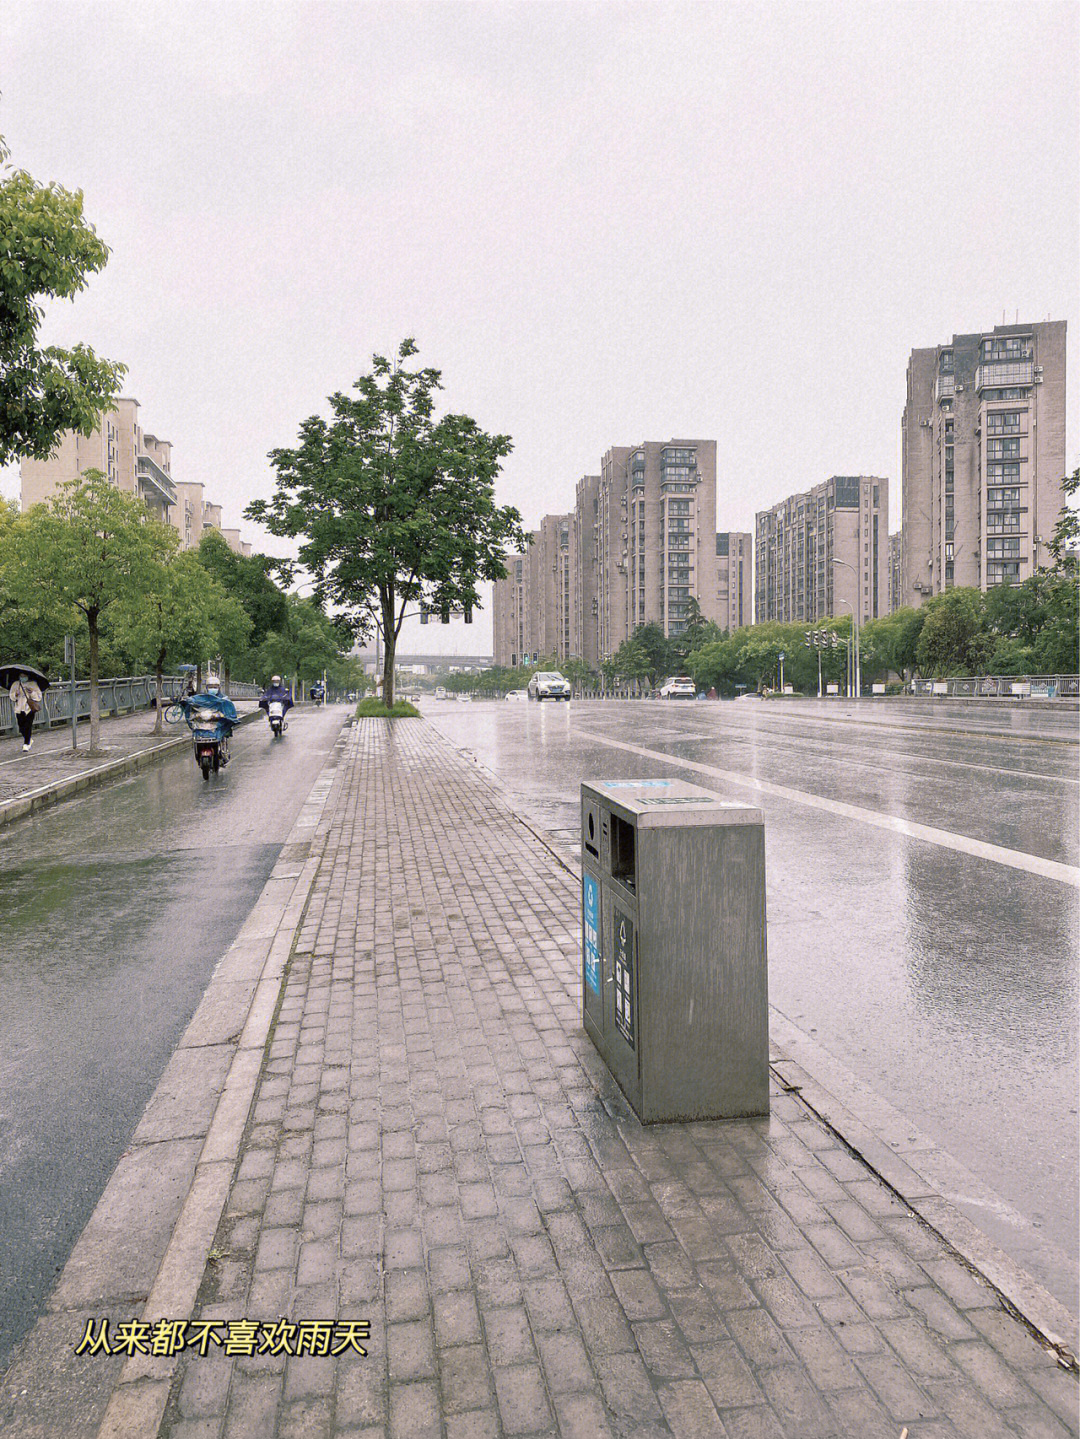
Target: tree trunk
x=95 y=698
x=226 y=673
x=158 y=695
x=389 y=646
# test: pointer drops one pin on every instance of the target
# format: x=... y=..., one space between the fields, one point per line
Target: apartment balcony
x=945 y=385
x=1004 y=373
x=155 y=485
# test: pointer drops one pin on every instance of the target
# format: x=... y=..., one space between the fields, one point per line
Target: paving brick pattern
x=436 y=1147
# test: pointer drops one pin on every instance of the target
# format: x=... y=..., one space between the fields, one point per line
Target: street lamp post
x=854 y=626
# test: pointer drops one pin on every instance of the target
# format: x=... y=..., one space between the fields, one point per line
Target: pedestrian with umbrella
x=25 y=686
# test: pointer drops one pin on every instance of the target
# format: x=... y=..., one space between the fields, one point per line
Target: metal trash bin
x=674 y=975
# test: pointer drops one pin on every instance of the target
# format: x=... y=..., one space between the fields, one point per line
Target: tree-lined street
x=939 y=969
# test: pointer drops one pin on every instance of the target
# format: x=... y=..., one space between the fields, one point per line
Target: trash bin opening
x=590 y=832
x=622 y=852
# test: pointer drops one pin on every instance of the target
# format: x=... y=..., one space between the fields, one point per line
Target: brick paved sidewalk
x=51 y=760
x=436 y=1147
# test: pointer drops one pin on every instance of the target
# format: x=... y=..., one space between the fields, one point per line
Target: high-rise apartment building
x=734 y=593
x=983 y=458
x=896 y=587
x=586 y=570
x=611 y=553
x=656 y=538
x=640 y=544
x=135 y=462
x=823 y=552
x=508 y=615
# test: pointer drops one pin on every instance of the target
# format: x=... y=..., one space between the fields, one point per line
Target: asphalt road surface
x=116 y=906
x=922 y=904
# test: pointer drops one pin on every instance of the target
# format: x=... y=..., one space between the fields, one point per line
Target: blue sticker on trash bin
x=590 y=914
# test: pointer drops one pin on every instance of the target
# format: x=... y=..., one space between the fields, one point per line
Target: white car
x=679 y=687
x=516 y=695
x=549 y=685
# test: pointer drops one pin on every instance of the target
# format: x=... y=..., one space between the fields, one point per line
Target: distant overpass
x=431 y=662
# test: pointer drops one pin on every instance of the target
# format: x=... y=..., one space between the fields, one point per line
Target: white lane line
x=996 y=853
x=826 y=748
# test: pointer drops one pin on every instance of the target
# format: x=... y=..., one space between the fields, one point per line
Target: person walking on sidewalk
x=26 y=701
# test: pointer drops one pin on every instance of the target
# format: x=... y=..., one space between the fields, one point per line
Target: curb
x=36 y=799
x=143 y=1250
x=914 y=1169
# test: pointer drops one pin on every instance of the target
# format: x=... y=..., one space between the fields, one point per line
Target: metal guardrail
x=1001 y=687
x=116 y=696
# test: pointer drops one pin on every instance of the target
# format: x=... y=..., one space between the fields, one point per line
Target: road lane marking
x=980 y=849
x=826 y=748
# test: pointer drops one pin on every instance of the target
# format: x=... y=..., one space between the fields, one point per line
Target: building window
x=1003 y=449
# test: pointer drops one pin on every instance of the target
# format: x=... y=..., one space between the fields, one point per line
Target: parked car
x=679 y=687
x=549 y=685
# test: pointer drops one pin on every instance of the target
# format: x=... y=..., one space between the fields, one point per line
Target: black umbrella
x=11 y=672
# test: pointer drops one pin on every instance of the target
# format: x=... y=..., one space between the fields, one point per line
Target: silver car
x=549 y=685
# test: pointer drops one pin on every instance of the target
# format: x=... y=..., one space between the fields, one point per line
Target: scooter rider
x=276 y=690
x=222 y=714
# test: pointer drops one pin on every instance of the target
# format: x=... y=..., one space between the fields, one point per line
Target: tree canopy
x=76 y=557
x=393 y=506
x=47 y=250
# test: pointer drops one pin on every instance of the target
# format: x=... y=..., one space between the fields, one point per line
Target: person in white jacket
x=26 y=701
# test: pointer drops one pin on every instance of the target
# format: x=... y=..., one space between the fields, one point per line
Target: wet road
x=116 y=907
x=922 y=905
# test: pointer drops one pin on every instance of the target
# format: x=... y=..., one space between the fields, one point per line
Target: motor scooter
x=210 y=733
x=211 y=725
x=275 y=711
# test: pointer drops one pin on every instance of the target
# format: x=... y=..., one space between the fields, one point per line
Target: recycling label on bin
x=590 y=913
x=624 y=976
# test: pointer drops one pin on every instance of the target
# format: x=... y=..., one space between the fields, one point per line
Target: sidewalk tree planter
x=394 y=509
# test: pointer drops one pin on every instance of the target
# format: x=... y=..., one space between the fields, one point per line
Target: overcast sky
x=604 y=223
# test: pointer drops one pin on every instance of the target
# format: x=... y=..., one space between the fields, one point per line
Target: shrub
x=372 y=708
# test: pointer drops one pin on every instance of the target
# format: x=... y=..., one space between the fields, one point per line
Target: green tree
x=306 y=644
x=954 y=639
x=887 y=645
x=1066 y=538
x=87 y=549
x=716 y=666
x=393 y=506
x=47 y=250
x=173 y=620
x=1058 y=638
x=247 y=579
x=34 y=635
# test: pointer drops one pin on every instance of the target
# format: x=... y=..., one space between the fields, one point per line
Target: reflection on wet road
x=116 y=907
x=932 y=962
